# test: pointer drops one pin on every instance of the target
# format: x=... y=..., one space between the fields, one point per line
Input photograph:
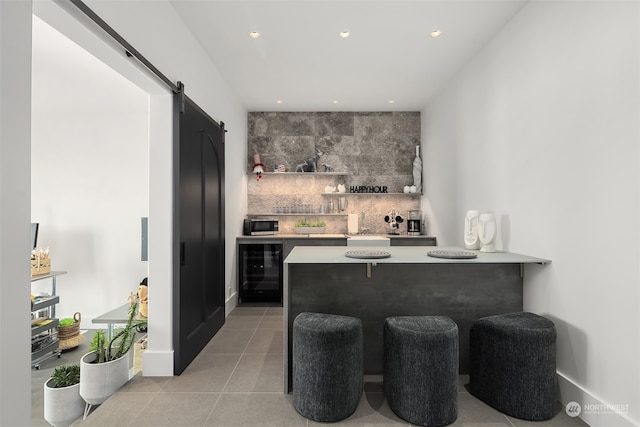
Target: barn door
x=198 y=294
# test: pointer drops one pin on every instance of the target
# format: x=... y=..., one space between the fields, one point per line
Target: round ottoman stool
x=327 y=366
x=421 y=368
x=513 y=364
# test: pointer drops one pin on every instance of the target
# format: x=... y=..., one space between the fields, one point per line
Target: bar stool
x=513 y=364
x=421 y=368
x=327 y=366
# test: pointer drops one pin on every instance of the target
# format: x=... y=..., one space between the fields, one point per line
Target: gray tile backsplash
x=371 y=148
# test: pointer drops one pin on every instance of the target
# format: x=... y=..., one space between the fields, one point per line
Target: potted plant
x=106 y=367
x=309 y=227
x=62 y=402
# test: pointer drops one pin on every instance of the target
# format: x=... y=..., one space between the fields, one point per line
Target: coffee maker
x=414 y=223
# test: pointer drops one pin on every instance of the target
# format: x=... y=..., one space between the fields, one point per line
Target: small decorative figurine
x=487 y=231
x=258 y=167
x=143 y=294
x=471 y=239
x=311 y=164
x=394 y=222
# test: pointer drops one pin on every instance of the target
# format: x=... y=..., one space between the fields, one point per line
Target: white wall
x=15 y=134
x=90 y=174
x=157 y=32
x=154 y=29
x=541 y=128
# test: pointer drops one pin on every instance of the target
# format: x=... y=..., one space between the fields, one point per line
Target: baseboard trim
x=593 y=410
x=231 y=303
x=157 y=363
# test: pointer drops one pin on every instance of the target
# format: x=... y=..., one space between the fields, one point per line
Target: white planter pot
x=62 y=406
x=98 y=381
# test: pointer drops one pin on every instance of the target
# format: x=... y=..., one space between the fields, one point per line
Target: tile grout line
x=508 y=420
x=214 y=406
x=243 y=351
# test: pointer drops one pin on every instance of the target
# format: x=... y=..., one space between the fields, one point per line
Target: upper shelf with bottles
x=305 y=173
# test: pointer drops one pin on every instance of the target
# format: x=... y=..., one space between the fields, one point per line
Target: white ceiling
x=301 y=60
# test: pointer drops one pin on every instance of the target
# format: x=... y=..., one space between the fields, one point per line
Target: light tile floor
x=237 y=381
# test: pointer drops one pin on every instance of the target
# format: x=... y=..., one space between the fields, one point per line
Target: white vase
x=417 y=172
x=471 y=239
x=98 y=381
x=487 y=231
x=62 y=406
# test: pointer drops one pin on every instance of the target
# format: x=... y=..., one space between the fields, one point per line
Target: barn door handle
x=181 y=253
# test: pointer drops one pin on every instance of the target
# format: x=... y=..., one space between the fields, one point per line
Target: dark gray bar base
x=464 y=292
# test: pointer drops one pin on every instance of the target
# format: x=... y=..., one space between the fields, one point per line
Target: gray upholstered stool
x=327 y=366
x=421 y=368
x=513 y=364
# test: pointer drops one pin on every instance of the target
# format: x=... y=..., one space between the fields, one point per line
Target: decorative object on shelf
x=342 y=204
x=62 y=402
x=40 y=262
x=417 y=171
x=310 y=164
x=413 y=189
x=394 y=222
x=281 y=168
x=368 y=189
x=327 y=168
x=329 y=189
x=452 y=254
x=367 y=254
x=342 y=188
x=487 y=231
x=406 y=189
x=69 y=332
x=258 y=167
x=471 y=240
x=307 y=227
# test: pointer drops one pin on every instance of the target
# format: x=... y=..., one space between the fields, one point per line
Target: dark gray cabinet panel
x=414 y=241
x=289 y=244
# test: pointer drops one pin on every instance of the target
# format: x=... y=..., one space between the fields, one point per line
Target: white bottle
x=471 y=240
x=487 y=231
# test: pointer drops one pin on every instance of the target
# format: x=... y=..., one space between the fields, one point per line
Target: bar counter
x=408 y=283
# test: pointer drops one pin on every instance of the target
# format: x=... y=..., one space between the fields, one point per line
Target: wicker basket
x=70 y=331
x=40 y=266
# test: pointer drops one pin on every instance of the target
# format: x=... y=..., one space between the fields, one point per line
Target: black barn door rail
x=129 y=50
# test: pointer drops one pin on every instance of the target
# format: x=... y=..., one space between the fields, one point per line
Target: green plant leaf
x=66 y=375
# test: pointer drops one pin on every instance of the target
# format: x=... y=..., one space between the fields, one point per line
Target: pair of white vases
x=480 y=231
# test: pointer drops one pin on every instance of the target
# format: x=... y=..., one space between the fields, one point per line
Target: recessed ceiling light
x=279 y=101
x=335 y=102
x=344 y=34
x=391 y=101
x=254 y=34
x=435 y=34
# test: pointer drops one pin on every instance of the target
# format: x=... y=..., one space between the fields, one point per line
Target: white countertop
x=401 y=255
